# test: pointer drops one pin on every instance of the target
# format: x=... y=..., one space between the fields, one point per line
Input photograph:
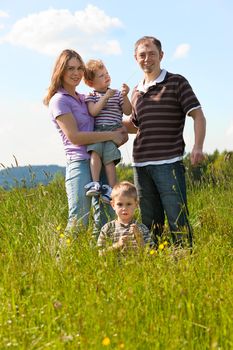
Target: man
x=160 y=104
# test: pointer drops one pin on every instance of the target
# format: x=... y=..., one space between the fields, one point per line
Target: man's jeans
x=162 y=189
x=77 y=176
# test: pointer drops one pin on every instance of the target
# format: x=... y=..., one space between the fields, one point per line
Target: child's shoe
x=106 y=194
x=93 y=189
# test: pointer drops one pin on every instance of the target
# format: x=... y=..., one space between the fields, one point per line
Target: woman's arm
x=69 y=127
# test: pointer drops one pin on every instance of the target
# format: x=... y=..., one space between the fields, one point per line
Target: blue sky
x=197 y=43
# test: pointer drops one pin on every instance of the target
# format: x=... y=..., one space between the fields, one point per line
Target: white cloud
x=50 y=31
x=3 y=14
x=109 y=47
x=181 y=51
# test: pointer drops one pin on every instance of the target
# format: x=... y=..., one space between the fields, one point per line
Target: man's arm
x=199 y=135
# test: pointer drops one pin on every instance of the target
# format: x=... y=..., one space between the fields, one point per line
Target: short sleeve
x=90 y=98
x=59 y=105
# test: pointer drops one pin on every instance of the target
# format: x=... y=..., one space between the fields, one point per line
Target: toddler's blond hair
x=91 y=67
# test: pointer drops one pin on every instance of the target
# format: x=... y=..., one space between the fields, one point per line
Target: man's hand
x=197 y=156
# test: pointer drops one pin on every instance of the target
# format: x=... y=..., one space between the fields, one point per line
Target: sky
x=197 y=42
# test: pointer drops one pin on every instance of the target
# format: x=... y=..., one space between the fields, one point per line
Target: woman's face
x=73 y=73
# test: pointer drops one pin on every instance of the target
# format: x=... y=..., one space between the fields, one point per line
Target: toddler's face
x=124 y=207
x=102 y=80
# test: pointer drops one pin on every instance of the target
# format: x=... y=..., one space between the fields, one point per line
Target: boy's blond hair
x=124 y=188
x=91 y=67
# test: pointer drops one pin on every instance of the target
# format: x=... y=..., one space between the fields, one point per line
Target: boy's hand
x=124 y=89
x=110 y=93
x=134 y=230
x=122 y=242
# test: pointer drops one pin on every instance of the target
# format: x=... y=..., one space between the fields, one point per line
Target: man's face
x=148 y=57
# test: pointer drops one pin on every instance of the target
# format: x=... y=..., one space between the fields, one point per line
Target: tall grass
x=152 y=300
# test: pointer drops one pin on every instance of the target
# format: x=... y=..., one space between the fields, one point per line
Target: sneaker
x=93 y=189
x=106 y=194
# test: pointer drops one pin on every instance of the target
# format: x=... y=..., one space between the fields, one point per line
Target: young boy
x=124 y=232
x=107 y=107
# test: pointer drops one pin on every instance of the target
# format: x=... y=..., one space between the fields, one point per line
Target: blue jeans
x=79 y=205
x=162 y=190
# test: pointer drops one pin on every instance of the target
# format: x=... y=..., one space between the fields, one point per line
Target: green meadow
x=156 y=299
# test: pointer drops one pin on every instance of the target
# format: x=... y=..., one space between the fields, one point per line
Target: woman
x=69 y=112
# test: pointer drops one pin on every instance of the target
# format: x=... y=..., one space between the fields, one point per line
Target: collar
x=62 y=91
x=124 y=225
x=159 y=79
x=99 y=92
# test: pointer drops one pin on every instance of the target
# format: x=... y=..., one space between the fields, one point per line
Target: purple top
x=63 y=103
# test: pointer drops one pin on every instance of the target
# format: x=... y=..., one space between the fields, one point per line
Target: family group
x=92 y=128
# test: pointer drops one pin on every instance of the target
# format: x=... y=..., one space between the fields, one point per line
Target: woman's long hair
x=58 y=72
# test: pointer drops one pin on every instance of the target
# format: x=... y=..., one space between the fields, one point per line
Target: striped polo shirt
x=159 y=113
x=112 y=112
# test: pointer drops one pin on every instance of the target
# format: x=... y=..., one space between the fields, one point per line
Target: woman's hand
x=121 y=136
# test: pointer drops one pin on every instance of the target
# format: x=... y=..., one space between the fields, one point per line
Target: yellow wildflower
x=58 y=228
x=68 y=241
x=106 y=341
x=161 y=246
x=152 y=252
x=62 y=235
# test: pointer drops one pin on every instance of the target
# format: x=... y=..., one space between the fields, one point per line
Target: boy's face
x=102 y=80
x=124 y=207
